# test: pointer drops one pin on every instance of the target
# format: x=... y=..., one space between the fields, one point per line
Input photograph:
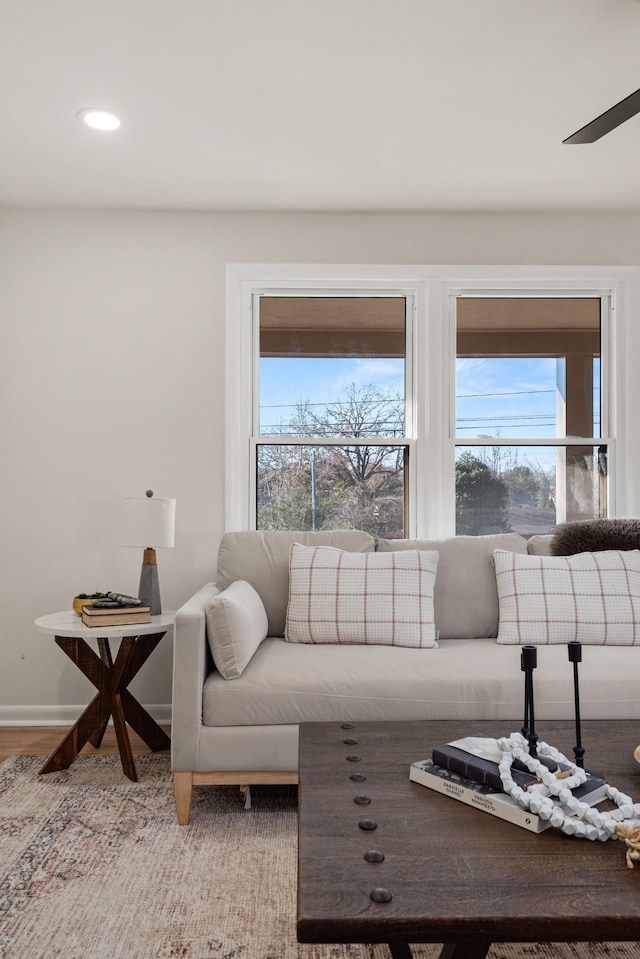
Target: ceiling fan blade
x=608 y=120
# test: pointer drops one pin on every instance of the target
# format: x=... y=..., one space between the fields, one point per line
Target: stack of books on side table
x=467 y=770
x=116 y=609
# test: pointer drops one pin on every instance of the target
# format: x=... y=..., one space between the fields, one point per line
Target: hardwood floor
x=42 y=740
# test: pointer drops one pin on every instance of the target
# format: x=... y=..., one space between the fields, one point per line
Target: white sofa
x=245 y=730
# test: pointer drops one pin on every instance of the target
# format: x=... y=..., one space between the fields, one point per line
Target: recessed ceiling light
x=99 y=119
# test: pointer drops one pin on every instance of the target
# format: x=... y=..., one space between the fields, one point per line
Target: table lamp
x=149 y=522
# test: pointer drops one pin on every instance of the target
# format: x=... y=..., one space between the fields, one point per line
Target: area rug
x=93 y=866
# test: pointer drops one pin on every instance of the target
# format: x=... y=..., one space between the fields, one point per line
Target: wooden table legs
x=111 y=678
x=465 y=950
x=450 y=950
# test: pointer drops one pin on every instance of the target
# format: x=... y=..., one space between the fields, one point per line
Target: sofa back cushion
x=540 y=544
x=466 y=597
x=262 y=559
x=376 y=599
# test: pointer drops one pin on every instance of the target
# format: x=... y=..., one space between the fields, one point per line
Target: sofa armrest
x=190 y=664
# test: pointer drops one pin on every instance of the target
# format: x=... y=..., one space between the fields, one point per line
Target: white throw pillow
x=382 y=599
x=590 y=597
x=236 y=625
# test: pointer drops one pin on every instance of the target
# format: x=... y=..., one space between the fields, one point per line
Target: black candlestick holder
x=528 y=662
x=574 y=649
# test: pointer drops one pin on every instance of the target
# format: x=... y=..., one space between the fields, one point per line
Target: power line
x=508 y=416
x=383 y=401
x=345 y=402
x=465 y=396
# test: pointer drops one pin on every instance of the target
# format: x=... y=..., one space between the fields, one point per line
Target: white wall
x=111 y=378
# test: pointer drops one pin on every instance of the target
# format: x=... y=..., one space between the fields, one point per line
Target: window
x=332 y=451
x=424 y=401
x=528 y=372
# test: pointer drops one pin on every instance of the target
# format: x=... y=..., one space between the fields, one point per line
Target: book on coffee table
x=465 y=790
x=486 y=798
x=477 y=758
x=468 y=770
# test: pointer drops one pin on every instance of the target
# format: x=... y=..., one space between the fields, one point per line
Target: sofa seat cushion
x=383 y=599
x=474 y=679
x=465 y=597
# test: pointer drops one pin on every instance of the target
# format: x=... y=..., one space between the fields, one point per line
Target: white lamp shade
x=149 y=521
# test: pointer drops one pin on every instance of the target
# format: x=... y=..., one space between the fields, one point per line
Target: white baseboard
x=65 y=715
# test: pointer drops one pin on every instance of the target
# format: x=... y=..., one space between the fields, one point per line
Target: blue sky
x=285 y=381
x=506 y=397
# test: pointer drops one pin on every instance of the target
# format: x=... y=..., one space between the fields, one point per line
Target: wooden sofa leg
x=183 y=792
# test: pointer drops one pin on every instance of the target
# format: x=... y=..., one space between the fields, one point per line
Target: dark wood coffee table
x=455 y=875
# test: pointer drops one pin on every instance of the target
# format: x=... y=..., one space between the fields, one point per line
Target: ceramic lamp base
x=149 y=589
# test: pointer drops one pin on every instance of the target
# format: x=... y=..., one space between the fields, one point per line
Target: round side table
x=111 y=677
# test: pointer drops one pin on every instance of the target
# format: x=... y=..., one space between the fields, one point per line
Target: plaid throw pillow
x=377 y=598
x=590 y=597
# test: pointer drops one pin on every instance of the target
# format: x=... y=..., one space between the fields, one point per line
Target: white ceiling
x=355 y=105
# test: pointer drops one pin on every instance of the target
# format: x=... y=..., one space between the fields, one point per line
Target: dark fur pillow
x=588 y=536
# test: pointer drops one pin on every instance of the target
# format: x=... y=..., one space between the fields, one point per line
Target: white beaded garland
x=583 y=820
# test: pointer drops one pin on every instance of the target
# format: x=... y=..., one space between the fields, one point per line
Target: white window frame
x=431 y=354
